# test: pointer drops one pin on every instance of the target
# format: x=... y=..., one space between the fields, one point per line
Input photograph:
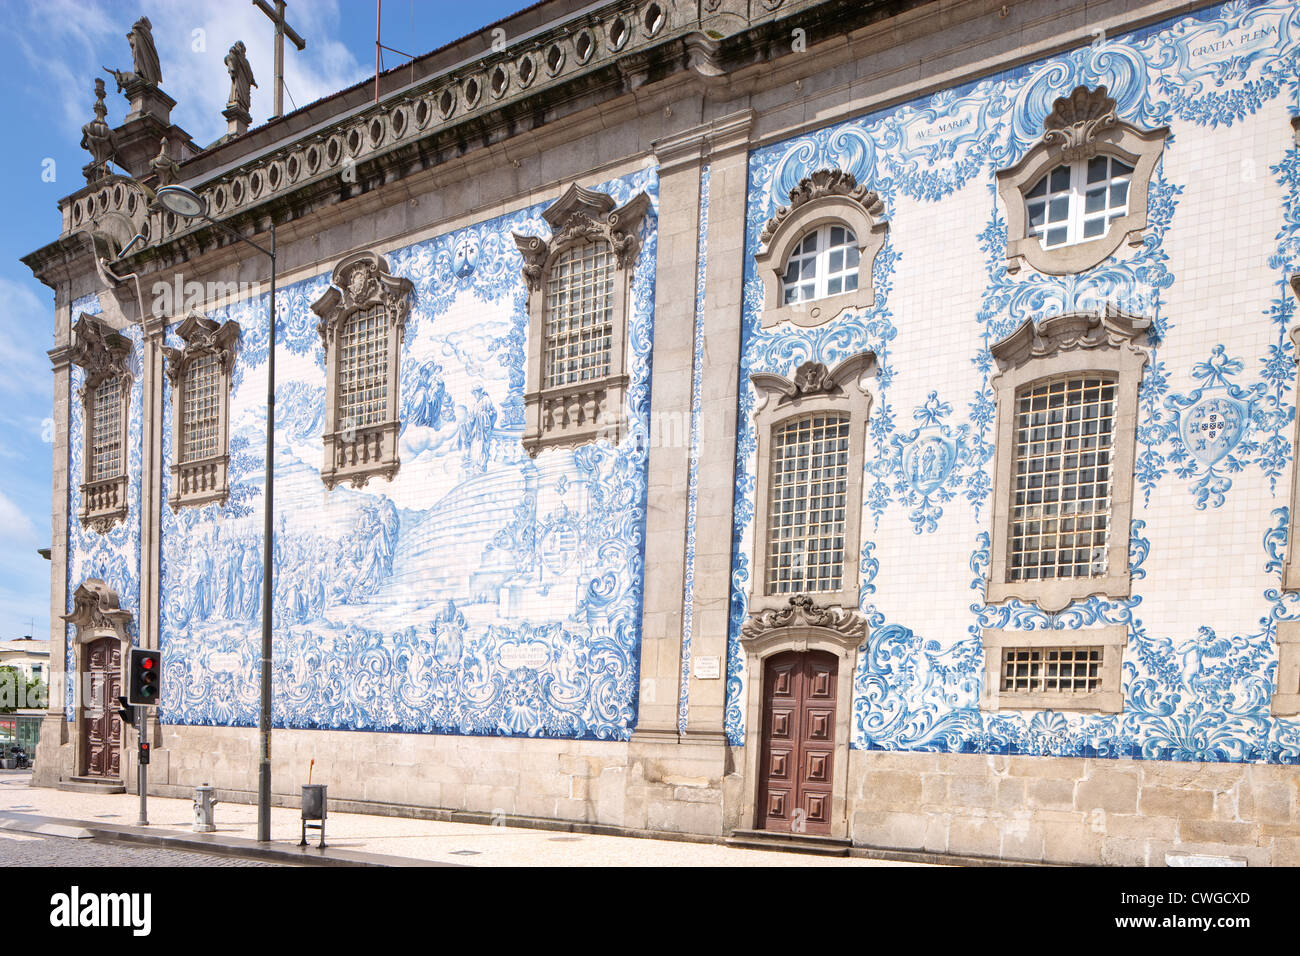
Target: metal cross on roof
x=282 y=29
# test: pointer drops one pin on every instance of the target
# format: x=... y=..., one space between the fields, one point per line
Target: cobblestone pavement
x=27 y=849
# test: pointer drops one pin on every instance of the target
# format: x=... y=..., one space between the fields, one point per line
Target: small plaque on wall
x=707 y=668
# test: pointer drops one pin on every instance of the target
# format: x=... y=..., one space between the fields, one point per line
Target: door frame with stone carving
x=96 y=616
x=802 y=626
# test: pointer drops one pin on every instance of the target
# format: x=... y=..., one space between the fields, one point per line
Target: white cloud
x=16 y=527
x=26 y=321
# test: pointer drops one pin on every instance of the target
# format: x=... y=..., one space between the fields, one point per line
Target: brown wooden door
x=798 y=742
x=103 y=726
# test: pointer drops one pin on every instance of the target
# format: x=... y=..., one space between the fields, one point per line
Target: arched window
x=579 y=315
x=818 y=252
x=105 y=452
x=825 y=263
x=1078 y=201
x=1081 y=191
x=363 y=368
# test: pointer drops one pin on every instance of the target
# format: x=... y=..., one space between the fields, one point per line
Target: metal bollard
x=204 y=801
x=313 y=808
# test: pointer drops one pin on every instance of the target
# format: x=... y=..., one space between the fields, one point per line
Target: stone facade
x=567 y=632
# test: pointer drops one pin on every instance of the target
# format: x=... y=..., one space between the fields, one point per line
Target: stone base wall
x=1082 y=811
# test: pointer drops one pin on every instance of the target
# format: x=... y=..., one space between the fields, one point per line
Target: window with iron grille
x=808 y=504
x=1051 y=670
x=579 y=315
x=201 y=409
x=106 y=430
x=1060 y=509
x=363 y=369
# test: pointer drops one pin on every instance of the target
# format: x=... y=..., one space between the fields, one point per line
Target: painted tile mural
x=481 y=591
x=113 y=557
x=1217 y=409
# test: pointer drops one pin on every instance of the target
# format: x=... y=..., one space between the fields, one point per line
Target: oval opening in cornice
x=354 y=141
x=500 y=81
x=446 y=102
x=169 y=222
x=471 y=92
x=274 y=176
x=421 y=114
x=117 y=195
x=584 y=44
x=527 y=70
x=219 y=198
x=334 y=150
x=76 y=213
x=236 y=192
x=376 y=131
x=313 y=159
x=101 y=201
x=293 y=167
x=130 y=202
x=398 y=121
x=554 y=59
x=654 y=19
x=618 y=32
x=255 y=183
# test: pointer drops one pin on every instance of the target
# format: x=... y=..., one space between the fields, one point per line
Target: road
x=27 y=849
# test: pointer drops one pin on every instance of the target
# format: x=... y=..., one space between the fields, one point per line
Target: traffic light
x=126 y=711
x=145 y=675
x=144 y=752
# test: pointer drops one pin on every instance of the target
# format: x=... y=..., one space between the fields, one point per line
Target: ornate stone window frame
x=801 y=624
x=1112 y=639
x=828 y=196
x=814 y=388
x=579 y=412
x=206 y=479
x=1080 y=126
x=1056 y=347
x=1286 y=692
x=105 y=354
x=354 y=454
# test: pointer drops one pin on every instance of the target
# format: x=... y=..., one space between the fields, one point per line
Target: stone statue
x=241 y=76
x=97 y=137
x=144 y=53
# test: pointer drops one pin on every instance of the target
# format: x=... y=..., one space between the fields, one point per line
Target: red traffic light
x=147 y=663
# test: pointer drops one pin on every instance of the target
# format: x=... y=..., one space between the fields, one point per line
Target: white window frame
x=1076 y=195
x=822 y=274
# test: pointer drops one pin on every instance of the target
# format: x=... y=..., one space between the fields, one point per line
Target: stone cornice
x=1065 y=333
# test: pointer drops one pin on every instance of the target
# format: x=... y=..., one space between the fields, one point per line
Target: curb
x=205 y=843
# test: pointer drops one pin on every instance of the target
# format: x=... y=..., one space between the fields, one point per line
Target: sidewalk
x=356 y=839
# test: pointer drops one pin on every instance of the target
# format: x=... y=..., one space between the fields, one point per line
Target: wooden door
x=798 y=742
x=103 y=726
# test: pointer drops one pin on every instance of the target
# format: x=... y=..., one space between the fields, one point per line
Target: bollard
x=204 y=801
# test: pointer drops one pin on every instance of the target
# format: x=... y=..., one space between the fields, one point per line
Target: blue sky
x=50 y=53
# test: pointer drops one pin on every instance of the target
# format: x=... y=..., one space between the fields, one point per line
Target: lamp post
x=189 y=205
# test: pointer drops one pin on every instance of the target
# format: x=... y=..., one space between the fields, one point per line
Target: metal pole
x=142 y=771
x=268 y=570
x=379 y=14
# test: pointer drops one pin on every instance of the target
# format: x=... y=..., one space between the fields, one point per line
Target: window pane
x=1060 y=179
x=363 y=369
x=807 y=504
x=1060 y=506
x=106 y=430
x=579 y=315
x=1097 y=168
x=199 y=409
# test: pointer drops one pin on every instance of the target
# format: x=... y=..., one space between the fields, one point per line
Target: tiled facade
x=599 y=596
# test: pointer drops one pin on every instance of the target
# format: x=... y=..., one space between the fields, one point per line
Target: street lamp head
x=183 y=202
